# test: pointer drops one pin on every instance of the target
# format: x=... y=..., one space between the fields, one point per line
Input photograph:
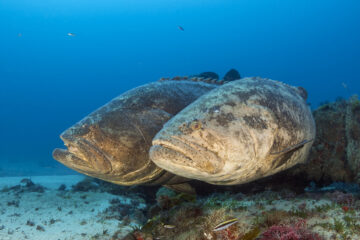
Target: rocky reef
x=266 y=215
x=335 y=155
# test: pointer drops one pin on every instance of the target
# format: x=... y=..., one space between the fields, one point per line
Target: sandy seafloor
x=54 y=214
x=65 y=214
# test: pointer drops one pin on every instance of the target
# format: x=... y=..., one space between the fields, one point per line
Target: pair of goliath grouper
x=170 y=132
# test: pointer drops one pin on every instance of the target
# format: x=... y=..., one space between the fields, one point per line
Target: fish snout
x=81 y=154
x=70 y=160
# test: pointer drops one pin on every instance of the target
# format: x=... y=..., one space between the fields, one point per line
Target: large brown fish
x=113 y=142
x=242 y=131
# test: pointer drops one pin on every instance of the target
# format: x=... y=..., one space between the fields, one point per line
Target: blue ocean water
x=50 y=80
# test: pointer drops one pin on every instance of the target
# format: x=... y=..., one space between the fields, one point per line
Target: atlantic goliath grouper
x=239 y=132
x=170 y=132
x=113 y=142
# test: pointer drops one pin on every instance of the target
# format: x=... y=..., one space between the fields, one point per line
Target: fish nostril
x=65 y=137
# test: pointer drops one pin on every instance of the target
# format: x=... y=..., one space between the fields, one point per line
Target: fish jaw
x=72 y=161
x=81 y=155
x=177 y=155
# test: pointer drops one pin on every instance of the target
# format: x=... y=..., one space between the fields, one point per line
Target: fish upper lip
x=172 y=146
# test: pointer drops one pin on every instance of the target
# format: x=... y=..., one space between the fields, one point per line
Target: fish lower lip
x=71 y=160
x=190 y=155
x=158 y=152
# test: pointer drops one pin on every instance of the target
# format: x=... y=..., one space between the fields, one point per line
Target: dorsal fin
x=302 y=92
x=194 y=79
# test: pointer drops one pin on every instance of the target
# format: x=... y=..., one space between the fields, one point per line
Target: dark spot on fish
x=189 y=127
x=255 y=122
x=224 y=119
x=185 y=129
x=245 y=95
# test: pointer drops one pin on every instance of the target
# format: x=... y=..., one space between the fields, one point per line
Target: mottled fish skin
x=242 y=131
x=113 y=142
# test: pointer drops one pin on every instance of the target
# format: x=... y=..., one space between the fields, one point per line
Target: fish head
x=185 y=146
x=82 y=154
x=108 y=144
x=216 y=140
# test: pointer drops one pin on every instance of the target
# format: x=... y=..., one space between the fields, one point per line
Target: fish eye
x=215 y=109
x=196 y=125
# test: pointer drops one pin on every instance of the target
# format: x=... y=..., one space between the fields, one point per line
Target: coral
x=352 y=123
x=86 y=185
x=26 y=185
x=224 y=200
x=345 y=199
x=297 y=231
x=187 y=212
x=252 y=234
x=273 y=217
x=212 y=220
x=339 y=226
x=166 y=198
x=335 y=154
x=229 y=233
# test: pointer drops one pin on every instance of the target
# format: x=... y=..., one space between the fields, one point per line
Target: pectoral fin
x=286 y=154
x=293 y=147
x=182 y=187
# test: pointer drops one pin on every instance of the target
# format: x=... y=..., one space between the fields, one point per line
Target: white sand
x=75 y=217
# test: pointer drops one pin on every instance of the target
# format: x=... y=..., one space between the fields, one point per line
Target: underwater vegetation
x=161 y=213
x=296 y=231
x=263 y=216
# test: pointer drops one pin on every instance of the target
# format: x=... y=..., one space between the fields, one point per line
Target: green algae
x=252 y=234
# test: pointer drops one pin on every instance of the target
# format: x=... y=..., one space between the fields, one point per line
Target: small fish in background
x=181 y=28
x=169 y=226
x=71 y=34
x=19 y=35
x=345 y=86
x=225 y=224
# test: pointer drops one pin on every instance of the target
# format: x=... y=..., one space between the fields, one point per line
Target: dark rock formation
x=232 y=75
x=335 y=155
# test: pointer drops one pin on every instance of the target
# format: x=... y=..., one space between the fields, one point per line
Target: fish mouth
x=185 y=158
x=82 y=156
